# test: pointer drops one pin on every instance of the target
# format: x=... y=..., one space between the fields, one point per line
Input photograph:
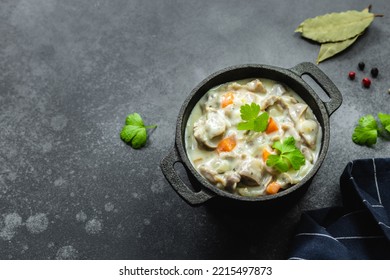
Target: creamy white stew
x=242 y=161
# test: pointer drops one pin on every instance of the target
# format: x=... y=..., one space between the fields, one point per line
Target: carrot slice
x=226 y=144
x=272 y=126
x=266 y=154
x=273 y=188
x=227 y=99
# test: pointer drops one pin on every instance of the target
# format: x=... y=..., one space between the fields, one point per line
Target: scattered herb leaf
x=134 y=119
x=366 y=133
x=134 y=132
x=249 y=112
x=385 y=121
x=288 y=156
x=336 y=31
x=330 y=49
x=368 y=9
x=335 y=27
x=252 y=120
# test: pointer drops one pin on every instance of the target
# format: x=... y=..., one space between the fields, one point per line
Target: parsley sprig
x=252 y=120
x=288 y=156
x=385 y=121
x=367 y=131
x=134 y=132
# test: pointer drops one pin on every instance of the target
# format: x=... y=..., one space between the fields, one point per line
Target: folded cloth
x=358 y=230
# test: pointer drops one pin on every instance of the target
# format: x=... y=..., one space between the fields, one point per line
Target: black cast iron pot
x=292 y=78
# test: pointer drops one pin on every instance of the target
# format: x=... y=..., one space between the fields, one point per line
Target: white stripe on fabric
x=316 y=234
x=360 y=237
x=380 y=223
x=353 y=213
x=351 y=165
x=372 y=205
x=376 y=182
x=296 y=258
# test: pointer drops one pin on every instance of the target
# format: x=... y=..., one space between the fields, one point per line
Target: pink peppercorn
x=366 y=82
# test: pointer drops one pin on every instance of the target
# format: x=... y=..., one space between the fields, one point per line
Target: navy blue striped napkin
x=358 y=230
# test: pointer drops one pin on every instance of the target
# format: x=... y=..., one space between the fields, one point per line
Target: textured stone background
x=70 y=72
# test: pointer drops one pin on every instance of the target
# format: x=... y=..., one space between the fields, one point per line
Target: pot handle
x=191 y=197
x=323 y=81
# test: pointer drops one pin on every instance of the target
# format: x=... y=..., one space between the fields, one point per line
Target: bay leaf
x=336 y=27
x=367 y=10
x=299 y=28
x=328 y=50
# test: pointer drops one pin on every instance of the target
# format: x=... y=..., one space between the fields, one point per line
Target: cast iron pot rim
x=213 y=190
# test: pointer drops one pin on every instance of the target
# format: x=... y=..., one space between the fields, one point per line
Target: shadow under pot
x=201 y=190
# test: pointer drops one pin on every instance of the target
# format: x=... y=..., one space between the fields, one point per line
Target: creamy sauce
x=239 y=164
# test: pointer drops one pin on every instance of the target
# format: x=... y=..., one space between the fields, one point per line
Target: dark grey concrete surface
x=70 y=72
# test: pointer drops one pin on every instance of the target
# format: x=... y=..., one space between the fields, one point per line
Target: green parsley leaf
x=366 y=133
x=249 y=113
x=385 y=121
x=246 y=125
x=134 y=119
x=295 y=158
x=287 y=146
x=288 y=156
x=261 y=122
x=134 y=132
x=278 y=162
